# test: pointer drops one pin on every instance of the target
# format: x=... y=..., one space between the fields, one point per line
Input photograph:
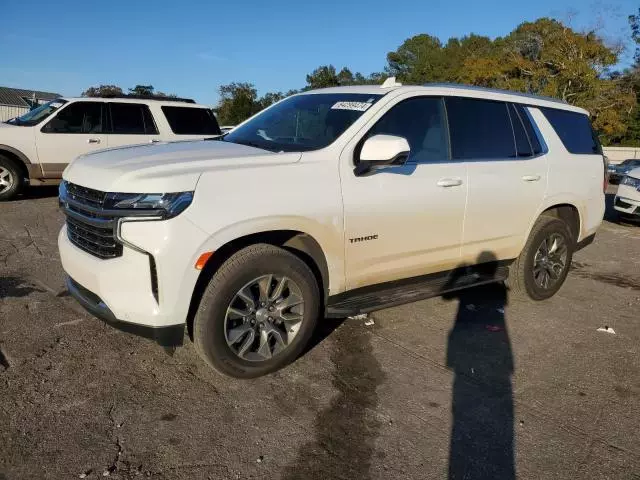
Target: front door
x=75 y=129
x=405 y=221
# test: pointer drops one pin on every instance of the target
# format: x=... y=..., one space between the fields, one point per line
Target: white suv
x=328 y=204
x=36 y=147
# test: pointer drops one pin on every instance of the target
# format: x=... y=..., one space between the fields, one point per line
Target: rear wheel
x=257 y=313
x=11 y=178
x=543 y=265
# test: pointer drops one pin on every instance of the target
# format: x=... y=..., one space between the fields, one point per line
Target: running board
x=391 y=294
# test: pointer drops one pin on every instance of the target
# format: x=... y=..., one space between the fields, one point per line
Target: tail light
x=605 y=182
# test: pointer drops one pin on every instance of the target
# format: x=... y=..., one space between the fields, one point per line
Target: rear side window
x=574 y=129
x=131 y=119
x=479 y=129
x=191 y=121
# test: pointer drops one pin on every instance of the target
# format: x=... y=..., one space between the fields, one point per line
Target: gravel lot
x=494 y=387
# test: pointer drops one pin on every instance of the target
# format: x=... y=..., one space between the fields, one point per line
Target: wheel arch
x=301 y=244
x=570 y=214
x=20 y=159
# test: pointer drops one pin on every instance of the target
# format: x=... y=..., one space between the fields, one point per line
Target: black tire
x=521 y=280
x=16 y=182
x=241 y=268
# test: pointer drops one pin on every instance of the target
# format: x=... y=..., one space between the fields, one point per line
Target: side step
x=391 y=294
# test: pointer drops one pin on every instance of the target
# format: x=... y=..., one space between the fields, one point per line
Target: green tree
x=142 y=90
x=102 y=91
x=634 y=23
x=323 y=77
x=548 y=58
x=238 y=101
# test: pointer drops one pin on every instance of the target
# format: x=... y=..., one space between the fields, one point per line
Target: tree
x=238 y=101
x=142 y=90
x=326 y=76
x=102 y=91
x=323 y=77
x=634 y=23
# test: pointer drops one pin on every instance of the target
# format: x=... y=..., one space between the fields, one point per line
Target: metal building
x=15 y=101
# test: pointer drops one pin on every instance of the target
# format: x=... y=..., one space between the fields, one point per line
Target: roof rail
x=495 y=90
x=149 y=97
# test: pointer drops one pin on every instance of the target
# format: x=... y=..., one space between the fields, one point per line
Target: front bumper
x=149 y=287
x=170 y=336
x=627 y=201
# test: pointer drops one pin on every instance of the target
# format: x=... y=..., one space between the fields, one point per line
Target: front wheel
x=11 y=179
x=543 y=265
x=257 y=313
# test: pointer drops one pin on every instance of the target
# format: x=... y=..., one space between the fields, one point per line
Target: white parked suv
x=627 y=201
x=36 y=147
x=330 y=203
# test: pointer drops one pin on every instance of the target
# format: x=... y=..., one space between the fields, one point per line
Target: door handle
x=154 y=140
x=449 y=182
x=531 y=178
x=93 y=140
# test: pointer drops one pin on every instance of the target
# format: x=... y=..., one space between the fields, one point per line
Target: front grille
x=88 y=196
x=89 y=226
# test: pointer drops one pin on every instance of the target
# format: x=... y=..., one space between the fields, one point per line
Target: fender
x=16 y=152
x=323 y=241
x=564 y=198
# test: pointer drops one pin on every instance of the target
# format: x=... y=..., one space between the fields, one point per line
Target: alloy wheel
x=550 y=261
x=264 y=317
x=6 y=179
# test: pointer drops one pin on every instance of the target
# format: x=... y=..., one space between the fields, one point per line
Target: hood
x=165 y=167
x=634 y=172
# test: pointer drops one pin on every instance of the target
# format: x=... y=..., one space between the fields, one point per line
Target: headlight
x=168 y=205
x=631 y=181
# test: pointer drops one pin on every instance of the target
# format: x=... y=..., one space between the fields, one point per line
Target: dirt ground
x=476 y=386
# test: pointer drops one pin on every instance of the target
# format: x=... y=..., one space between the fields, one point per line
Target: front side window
x=191 y=121
x=78 y=117
x=479 y=129
x=303 y=122
x=421 y=120
x=131 y=119
x=38 y=114
x=574 y=130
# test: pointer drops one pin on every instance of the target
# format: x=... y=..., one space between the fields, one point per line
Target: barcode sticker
x=357 y=106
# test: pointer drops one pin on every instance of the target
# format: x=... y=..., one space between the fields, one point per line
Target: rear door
x=191 y=122
x=130 y=124
x=77 y=128
x=507 y=172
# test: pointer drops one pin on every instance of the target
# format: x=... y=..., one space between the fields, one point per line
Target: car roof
x=454 y=89
x=151 y=101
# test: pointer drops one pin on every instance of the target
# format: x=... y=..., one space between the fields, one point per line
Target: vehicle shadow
x=32 y=193
x=610 y=214
x=479 y=353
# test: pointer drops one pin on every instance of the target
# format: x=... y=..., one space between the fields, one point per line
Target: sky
x=190 y=48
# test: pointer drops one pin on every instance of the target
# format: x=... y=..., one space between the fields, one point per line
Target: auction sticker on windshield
x=358 y=106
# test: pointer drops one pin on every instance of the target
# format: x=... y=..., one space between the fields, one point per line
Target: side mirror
x=382 y=151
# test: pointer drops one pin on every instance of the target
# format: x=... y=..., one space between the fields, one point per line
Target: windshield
x=303 y=122
x=38 y=114
x=630 y=163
